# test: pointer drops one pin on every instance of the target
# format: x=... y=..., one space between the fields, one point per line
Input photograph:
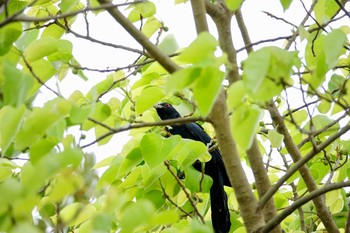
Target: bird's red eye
x=167 y=105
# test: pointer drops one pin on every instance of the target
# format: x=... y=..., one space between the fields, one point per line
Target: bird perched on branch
x=214 y=168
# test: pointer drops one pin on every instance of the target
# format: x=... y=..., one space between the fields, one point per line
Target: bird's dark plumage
x=214 y=168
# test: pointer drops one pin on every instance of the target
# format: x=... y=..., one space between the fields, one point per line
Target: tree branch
x=252 y=217
x=199 y=14
x=300 y=163
x=153 y=50
x=298 y=203
x=322 y=211
x=141 y=125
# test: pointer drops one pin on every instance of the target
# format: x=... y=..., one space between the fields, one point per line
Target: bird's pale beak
x=157 y=106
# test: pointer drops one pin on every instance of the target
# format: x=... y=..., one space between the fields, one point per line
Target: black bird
x=214 y=168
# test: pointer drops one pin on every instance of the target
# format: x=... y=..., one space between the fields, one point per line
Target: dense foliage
x=280 y=117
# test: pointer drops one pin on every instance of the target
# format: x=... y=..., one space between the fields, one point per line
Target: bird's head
x=166 y=111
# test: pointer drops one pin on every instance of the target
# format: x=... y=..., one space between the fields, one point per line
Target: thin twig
x=166 y=163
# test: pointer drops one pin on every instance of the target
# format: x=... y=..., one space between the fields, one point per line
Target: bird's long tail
x=219 y=208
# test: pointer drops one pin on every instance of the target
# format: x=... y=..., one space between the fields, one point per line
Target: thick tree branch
x=253 y=219
x=254 y=155
x=222 y=18
x=199 y=14
x=220 y=120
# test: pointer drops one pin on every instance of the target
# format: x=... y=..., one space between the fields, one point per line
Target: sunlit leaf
x=275 y=138
x=244 y=124
x=234 y=4
x=41 y=48
x=141 y=11
x=149 y=96
x=335 y=83
x=267 y=71
x=151 y=26
x=285 y=4
x=169 y=44
x=235 y=95
x=200 y=50
x=333 y=46
x=40 y=120
x=319 y=122
x=40 y=148
x=135 y=215
x=67 y=5
x=63 y=52
x=10 y=122
x=9 y=34
x=196 y=181
x=16 y=85
x=325 y=10
x=155 y=149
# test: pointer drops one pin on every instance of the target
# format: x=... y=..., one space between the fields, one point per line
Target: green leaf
x=25 y=227
x=149 y=96
x=135 y=215
x=108 y=84
x=325 y=10
x=200 y=50
x=155 y=149
x=235 y=95
x=63 y=186
x=195 y=181
x=234 y=4
x=5 y=172
x=151 y=26
x=54 y=31
x=46 y=207
x=34 y=177
x=335 y=83
x=40 y=120
x=63 y=52
x=67 y=5
x=319 y=122
x=182 y=78
x=10 y=122
x=98 y=111
x=41 y=148
x=164 y=218
x=27 y=38
x=285 y=4
x=190 y=151
x=275 y=138
x=324 y=106
x=141 y=11
x=169 y=44
x=8 y=35
x=266 y=69
x=333 y=46
x=334 y=201
x=131 y=160
x=205 y=83
x=16 y=85
x=207 y=88
x=41 y=48
x=244 y=125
